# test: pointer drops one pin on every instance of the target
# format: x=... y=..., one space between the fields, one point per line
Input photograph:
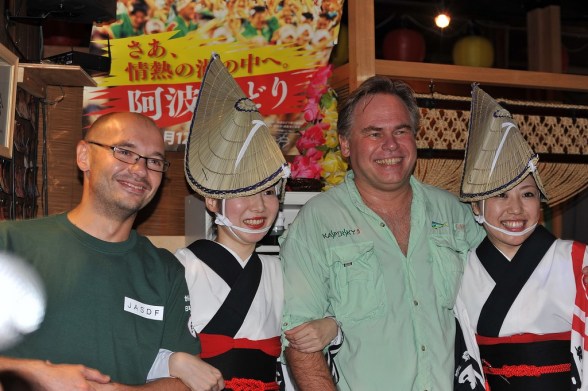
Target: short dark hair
x=308 y=15
x=139 y=6
x=372 y=86
x=258 y=9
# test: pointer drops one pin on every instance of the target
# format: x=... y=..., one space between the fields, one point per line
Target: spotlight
x=442 y=20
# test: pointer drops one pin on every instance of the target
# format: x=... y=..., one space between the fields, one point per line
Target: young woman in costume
x=236 y=294
x=522 y=301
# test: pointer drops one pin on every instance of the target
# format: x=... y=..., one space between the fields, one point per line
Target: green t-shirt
x=339 y=257
x=124 y=28
x=110 y=306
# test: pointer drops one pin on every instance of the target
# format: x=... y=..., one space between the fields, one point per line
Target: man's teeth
x=390 y=161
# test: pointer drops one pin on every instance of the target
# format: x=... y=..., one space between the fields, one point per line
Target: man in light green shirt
x=383 y=253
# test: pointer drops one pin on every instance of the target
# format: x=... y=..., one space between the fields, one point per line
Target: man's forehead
x=131 y=135
x=128 y=124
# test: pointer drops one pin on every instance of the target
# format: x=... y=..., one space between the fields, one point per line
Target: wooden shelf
x=466 y=75
x=362 y=64
x=34 y=78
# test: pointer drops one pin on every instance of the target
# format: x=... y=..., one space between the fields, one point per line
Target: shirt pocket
x=357 y=288
x=448 y=257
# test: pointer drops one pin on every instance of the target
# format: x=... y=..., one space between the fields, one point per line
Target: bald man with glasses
x=117 y=307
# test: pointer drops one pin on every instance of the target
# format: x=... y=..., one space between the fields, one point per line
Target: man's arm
x=167 y=384
x=310 y=370
x=46 y=376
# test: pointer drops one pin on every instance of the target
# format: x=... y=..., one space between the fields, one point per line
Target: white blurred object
x=22 y=300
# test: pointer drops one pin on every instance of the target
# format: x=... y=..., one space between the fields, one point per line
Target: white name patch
x=133 y=306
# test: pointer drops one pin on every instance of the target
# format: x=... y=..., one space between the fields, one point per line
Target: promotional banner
x=160 y=48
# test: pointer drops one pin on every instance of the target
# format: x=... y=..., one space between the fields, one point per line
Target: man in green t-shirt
x=184 y=21
x=131 y=24
x=117 y=307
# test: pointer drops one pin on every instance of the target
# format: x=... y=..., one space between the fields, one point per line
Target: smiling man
x=392 y=278
x=117 y=307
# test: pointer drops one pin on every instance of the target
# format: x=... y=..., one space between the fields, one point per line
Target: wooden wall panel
x=25 y=36
x=64 y=124
x=165 y=214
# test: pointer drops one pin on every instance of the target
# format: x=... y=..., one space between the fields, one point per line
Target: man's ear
x=83 y=156
x=344 y=145
x=212 y=204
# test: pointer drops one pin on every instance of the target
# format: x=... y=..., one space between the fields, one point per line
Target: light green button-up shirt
x=340 y=258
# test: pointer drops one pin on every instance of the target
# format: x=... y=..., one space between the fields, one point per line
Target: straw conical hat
x=497 y=156
x=230 y=151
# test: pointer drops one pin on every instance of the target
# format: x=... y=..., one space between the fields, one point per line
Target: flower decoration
x=320 y=156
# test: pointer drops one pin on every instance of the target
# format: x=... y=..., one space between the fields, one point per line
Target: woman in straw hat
x=236 y=294
x=521 y=301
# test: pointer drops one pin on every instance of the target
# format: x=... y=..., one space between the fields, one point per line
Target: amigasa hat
x=230 y=151
x=497 y=157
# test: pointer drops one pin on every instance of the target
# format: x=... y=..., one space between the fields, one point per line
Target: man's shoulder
x=433 y=191
x=320 y=211
x=157 y=253
x=26 y=225
x=334 y=194
x=437 y=195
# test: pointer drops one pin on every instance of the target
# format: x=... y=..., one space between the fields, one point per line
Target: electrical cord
x=44 y=190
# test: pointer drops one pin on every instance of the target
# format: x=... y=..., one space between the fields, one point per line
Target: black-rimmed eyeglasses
x=130 y=157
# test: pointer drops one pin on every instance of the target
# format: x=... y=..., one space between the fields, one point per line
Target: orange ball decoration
x=474 y=51
x=404 y=44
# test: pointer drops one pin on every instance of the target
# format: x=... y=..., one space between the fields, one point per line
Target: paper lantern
x=404 y=44
x=474 y=51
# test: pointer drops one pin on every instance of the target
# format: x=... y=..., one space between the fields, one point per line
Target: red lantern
x=404 y=44
x=474 y=51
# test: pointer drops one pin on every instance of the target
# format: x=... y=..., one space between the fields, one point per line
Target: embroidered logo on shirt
x=341 y=233
x=133 y=306
x=187 y=308
x=436 y=225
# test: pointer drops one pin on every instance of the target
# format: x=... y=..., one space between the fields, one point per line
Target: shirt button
x=423 y=348
x=382 y=224
x=416 y=302
x=285 y=323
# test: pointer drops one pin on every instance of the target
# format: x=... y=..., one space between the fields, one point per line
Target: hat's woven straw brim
x=497 y=156
x=562 y=180
x=230 y=151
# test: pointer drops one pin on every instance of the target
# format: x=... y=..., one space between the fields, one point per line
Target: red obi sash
x=215 y=344
x=524 y=338
x=237 y=384
x=545 y=354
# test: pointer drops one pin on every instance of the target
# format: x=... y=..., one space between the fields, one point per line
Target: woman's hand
x=312 y=336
